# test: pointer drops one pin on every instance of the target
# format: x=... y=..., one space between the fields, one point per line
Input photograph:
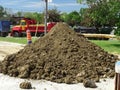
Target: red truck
x=30 y=24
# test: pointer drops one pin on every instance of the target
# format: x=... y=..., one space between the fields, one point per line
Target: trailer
x=4 y=28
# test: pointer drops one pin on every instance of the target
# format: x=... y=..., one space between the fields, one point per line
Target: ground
x=7 y=48
x=12 y=83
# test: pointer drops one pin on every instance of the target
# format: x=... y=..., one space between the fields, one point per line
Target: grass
x=112 y=46
x=21 y=40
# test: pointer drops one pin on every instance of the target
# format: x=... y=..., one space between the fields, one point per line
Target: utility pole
x=46 y=15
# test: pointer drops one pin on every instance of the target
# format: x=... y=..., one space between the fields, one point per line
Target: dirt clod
x=89 y=83
x=25 y=85
x=61 y=56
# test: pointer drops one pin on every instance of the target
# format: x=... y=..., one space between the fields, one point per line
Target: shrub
x=117 y=31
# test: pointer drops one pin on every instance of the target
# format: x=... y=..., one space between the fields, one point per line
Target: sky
x=39 y=5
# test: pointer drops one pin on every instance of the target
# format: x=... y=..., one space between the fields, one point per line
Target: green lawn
x=112 y=46
x=21 y=40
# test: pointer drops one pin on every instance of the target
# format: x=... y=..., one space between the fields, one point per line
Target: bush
x=117 y=31
x=118 y=38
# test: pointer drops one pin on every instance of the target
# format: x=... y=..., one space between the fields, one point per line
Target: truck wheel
x=3 y=34
x=16 y=34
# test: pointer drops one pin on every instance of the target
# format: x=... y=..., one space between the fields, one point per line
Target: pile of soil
x=60 y=56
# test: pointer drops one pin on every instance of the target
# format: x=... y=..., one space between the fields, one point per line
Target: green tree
x=73 y=18
x=63 y=16
x=54 y=15
x=103 y=12
x=1 y=12
x=85 y=18
x=87 y=1
x=19 y=14
x=34 y=15
x=38 y=17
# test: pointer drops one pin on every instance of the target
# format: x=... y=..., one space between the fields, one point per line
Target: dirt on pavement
x=7 y=48
x=60 y=56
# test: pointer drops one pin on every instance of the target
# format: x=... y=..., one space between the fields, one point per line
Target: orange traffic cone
x=29 y=40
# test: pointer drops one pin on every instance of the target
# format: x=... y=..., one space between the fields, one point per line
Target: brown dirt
x=60 y=56
x=25 y=85
x=89 y=83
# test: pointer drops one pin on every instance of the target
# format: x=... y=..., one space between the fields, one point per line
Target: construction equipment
x=27 y=23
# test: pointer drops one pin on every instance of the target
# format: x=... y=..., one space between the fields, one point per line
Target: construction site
x=65 y=45
x=61 y=56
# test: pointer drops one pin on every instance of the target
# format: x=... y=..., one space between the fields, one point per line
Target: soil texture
x=60 y=56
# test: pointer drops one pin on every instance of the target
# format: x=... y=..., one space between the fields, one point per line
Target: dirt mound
x=60 y=56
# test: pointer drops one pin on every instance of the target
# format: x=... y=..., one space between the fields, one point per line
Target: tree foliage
x=53 y=15
x=103 y=12
x=3 y=14
x=34 y=15
x=87 y=1
x=63 y=16
x=72 y=18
